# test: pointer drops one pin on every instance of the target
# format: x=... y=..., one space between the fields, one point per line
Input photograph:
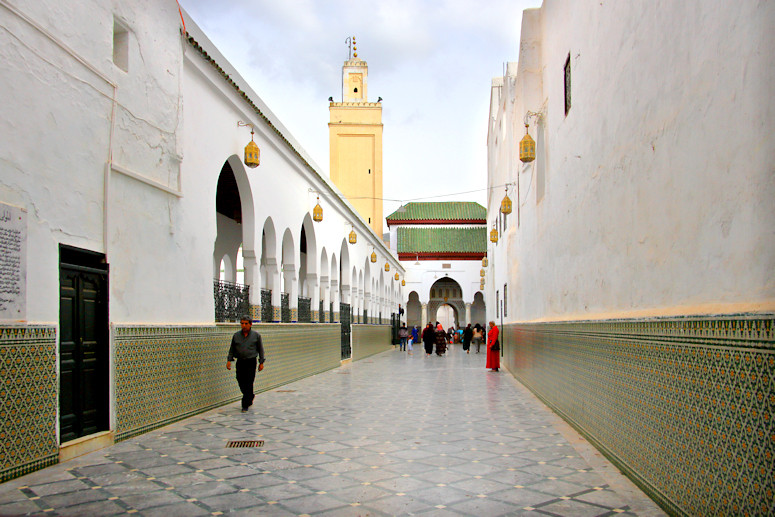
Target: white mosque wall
x=653 y=196
x=174 y=125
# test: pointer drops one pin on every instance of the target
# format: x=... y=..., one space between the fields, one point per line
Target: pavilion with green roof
x=441 y=245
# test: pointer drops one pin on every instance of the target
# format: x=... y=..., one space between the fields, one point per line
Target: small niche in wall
x=120 y=45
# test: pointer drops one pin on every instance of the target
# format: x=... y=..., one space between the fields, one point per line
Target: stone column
x=253 y=280
x=325 y=296
x=292 y=288
x=275 y=285
x=314 y=293
x=468 y=313
x=424 y=314
x=335 y=299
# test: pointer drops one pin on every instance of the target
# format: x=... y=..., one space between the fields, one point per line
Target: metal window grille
x=267 y=314
x=321 y=312
x=285 y=308
x=505 y=299
x=497 y=304
x=365 y=316
x=567 y=85
x=331 y=312
x=345 y=318
x=231 y=300
x=305 y=310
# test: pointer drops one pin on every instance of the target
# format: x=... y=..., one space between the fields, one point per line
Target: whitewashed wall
x=174 y=126
x=654 y=195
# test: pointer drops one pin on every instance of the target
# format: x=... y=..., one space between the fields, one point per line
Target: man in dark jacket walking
x=246 y=346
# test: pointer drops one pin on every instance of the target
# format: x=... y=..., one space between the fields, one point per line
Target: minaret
x=355 y=139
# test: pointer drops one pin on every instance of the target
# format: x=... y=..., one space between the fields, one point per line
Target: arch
x=479 y=310
x=226 y=269
x=288 y=263
x=344 y=260
x=448 y=291
x=414 y=310
x=448 y=315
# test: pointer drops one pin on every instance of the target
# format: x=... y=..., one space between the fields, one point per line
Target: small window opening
x=120 y=46
x=369 y=220
x=369 y=171
x=355 y=90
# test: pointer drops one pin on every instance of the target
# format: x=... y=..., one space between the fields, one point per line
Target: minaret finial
x=349 y=42
x=355 y=49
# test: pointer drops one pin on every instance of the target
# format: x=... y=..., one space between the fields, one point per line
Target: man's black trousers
x=246 y=374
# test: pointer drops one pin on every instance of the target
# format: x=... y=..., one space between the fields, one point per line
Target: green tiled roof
x=442 y=240
x=446 y=211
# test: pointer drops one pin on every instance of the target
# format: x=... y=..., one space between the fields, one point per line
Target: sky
x=431 y=61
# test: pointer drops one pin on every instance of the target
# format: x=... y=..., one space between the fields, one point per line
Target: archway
x=447 y=291
x=414 y=311
x=447 y=315
x=235 y=226
x=479 y=310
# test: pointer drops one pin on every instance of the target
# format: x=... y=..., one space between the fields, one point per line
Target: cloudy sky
x=430 y=60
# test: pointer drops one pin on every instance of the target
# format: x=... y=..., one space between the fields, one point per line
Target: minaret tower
x=355 y=140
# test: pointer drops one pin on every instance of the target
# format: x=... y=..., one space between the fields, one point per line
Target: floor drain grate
x=244 y=443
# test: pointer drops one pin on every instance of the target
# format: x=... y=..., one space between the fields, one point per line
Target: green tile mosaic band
x=28 y=399
x=164 y=374
x=683 y=406
x=368 y=340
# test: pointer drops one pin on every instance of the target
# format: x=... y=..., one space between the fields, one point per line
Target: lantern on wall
x=403 y=282
x=494 y=235
x=484 y=261
x=353 y=238
x=527 y=148
x=387 y=266
x=506 y=203
x=373 y=257
x=252 y=152
x=397 y=276
x=317 y=212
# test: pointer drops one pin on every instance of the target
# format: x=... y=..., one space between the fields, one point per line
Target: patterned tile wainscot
x=28 y=399
x=164 y=374
x=369 y=340
x=684 y=406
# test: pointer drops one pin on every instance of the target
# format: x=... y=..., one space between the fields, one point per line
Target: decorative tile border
x=685 y=406
x=165 y=374
x=28 y=399
x=368 y=340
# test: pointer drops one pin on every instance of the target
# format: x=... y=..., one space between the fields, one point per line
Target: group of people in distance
x=436 y=336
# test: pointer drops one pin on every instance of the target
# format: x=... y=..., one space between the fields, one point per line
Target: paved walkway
x=390 y=435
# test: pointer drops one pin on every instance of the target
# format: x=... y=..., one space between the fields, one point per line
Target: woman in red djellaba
x=493 y=348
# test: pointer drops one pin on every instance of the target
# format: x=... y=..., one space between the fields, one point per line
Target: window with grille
x=567 y=85
x=505 y=300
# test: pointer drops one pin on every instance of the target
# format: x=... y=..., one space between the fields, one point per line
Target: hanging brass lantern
x=387 y=266
x=373 y=257
x=403 y=282
x=481 y=284
x=353 y=238
x=481 y=273
x=527 y=148
x=396 y=276
x=506 y=203
x=494 y=236
x=484 y=262
x=317 y=212
x=252 y=153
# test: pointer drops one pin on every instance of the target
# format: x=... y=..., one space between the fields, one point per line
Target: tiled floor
x=390 y=435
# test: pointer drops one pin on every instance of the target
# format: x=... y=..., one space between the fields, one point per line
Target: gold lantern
x=373 y=257
x=252 y=153
x=484 y=262
x=387 y=266
x=317 y=212
x=494 y=236
x=527 y=148
x=481 y=284
x=506 y=203
x=481 y=273
x=353 y=238
x=396 y=276
x=403 y=282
